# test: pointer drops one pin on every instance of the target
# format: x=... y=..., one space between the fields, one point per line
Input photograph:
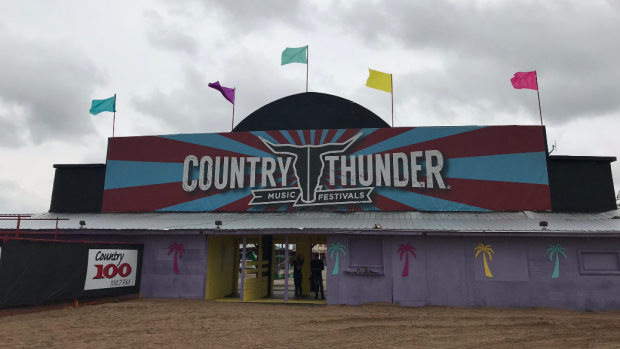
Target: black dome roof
x=310 y=110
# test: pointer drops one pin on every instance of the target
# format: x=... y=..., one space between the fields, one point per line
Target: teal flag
x=295 y=55
x=101 y=105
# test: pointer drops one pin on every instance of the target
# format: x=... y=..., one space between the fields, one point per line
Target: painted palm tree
x=178 y=250
x=337 y=247
x=556 y=249
x=405 y=250
x=222 y=255
x=486 y=250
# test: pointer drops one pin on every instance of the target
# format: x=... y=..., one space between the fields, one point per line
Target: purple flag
x=228 y=93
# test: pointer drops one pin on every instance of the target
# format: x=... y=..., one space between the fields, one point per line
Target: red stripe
x=491 y=195
x=348 y=134
x=330 y=135
x=307 y=137
x=378 y=136
x=319 y=136
x=496 y=140
x=385 y=204
x=295 y=137
x=272 y=207
x=149 y=198
x=278 y=136
x=237 y=206
x=247 y=139
x=353 y=208
x=158 y=149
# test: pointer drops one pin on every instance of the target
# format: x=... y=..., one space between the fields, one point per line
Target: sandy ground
x=181 y=323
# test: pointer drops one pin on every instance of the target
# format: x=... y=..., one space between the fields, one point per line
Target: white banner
x=111 y=268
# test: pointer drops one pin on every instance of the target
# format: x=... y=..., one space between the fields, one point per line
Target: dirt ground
x=181 y=323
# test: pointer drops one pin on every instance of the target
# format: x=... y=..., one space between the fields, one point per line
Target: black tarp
x=34 y=272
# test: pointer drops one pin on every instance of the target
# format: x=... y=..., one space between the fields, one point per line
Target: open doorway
x=254 y=269
x=302 y=249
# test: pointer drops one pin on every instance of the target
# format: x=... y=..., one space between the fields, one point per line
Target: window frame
x=354 y=266
x=584 y=271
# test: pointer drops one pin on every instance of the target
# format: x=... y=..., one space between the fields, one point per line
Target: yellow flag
x=380 y=81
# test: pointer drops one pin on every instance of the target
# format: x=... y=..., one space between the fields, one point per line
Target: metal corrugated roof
x=524 y=222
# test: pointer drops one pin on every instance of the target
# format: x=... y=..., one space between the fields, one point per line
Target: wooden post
x=286 y=260
x=245 y=243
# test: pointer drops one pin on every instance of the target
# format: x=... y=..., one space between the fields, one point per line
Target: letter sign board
x=464 y=168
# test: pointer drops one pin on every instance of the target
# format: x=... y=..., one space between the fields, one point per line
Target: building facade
x=461 y=216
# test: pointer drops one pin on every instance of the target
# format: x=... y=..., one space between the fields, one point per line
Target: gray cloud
x=51 y=83
x=14 y=199
x=168 y=37
x=195 y=107
x=11 y=135
x=254 y=16
x=570 y=43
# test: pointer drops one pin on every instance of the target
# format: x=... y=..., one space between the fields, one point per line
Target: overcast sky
x=452 y=62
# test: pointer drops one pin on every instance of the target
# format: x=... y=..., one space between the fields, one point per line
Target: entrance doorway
x=254 y=268
x=304 y=246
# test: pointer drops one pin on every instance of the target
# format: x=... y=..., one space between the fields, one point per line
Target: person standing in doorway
x=316 y=268
x=298 y=262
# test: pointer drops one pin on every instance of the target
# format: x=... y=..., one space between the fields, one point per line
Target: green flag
x=295 y=55
x=101 y=105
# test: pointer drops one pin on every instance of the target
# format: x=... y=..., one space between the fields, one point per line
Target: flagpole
x=538 y=93
x=234 y=100
x=114 y=118
x=392 y=88
x=307 y=64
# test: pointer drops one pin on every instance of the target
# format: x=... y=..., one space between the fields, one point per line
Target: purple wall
x=158 y=277
x=446 y=272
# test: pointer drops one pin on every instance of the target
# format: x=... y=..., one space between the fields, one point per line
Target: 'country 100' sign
x=495 y=168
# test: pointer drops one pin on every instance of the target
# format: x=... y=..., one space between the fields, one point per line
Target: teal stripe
x=337 y=135
x=265 y=135
x=323 y=135
x=210 y=203
x=288 y=137
x=213 y=202
x=301 y=136
x=516 y=168
x=423 y=202
x=217 y=141
x=124 y=174
x=415 y=136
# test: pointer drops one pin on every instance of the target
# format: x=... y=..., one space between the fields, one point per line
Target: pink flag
x=228 y=93
x=525 y=80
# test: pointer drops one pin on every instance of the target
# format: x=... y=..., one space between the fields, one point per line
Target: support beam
x=286 y=256
x=245 y=243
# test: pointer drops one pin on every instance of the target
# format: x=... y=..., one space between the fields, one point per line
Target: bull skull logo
x=309 y=162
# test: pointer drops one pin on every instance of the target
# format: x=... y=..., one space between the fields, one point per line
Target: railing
x=26 y=217
x=260 y=267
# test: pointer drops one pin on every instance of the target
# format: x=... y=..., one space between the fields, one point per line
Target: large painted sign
x=469 y=168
